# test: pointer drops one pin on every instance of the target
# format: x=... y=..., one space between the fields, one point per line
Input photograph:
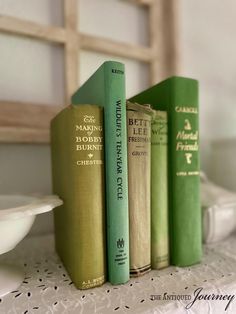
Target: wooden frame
x=33 y=125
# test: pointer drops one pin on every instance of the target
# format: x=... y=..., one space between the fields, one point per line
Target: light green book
x=78 y=178
x=159 y=191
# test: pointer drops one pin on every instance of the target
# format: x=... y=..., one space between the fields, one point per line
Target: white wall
x=208 y=49
x=119 y=21
x=32 y=71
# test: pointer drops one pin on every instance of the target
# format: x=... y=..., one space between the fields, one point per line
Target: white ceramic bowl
x=17 y=214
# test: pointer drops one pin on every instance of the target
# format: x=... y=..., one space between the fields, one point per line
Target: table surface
x=47 y=287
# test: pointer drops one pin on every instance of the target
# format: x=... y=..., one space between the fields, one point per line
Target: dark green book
x=179 y=97
x=78 y=178
x=106 y=87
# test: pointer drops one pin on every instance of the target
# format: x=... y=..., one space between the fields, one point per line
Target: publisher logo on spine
x=120 y=243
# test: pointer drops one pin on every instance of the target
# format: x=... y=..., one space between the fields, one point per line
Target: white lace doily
x=48 y=289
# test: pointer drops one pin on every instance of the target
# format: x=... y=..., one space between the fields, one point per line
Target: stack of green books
x=128 y=173
x=178 y=97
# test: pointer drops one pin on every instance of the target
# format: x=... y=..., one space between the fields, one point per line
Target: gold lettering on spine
x=95 y=139
x=186 y=147
x=182 y=135
x=87 y=141
x=88 y=147
x=185 y=109
x=187 y=139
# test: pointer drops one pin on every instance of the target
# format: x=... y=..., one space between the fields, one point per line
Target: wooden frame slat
x=171 y=34
x=16 y=26
x=115 y=48
x=155 y=33
x=25 y=123
x=17 y=114
x=29 y=123
x=64 y=36
x=71 y=48
x=142 y=2
x=24 y=135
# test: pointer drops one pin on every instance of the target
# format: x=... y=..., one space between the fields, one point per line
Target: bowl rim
x=35 y=206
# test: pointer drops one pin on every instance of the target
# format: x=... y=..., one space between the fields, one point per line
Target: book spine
x=159 y=191
x=78 y=174
x=185 y=218
x=139 y=149
x=116 y=173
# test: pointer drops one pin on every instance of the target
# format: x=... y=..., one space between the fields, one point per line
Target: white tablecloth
x=48 y=289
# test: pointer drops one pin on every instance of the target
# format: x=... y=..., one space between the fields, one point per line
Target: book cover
x=139 y=154
x=106 y=87
x=159 y=191
x=78 y=172
x=179 y=97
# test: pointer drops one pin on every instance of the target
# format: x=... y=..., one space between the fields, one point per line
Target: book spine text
x=116 y=174
x=159 y=191
x=139 y=149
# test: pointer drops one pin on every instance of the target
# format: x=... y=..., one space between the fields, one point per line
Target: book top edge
x=106 y=64
x=111 y=62
x=175 y=77
x=145 y=108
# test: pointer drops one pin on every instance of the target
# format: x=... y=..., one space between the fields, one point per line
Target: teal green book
x=179 y=97
x=159 y=191
x=106 y=87
x=77 y=152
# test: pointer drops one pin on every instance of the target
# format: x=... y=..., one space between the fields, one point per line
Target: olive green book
x=139 y=160
x=78 y=178
x=159 y=191
x=179 y=97
x=106 y=87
